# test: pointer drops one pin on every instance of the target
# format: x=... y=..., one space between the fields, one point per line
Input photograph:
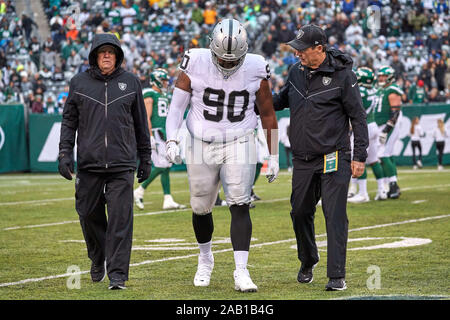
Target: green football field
x=397 y=249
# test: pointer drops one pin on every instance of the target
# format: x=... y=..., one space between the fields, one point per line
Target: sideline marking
x=224 y=250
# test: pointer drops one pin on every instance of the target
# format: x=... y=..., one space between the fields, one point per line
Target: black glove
x=65 y=165
x=144 y=170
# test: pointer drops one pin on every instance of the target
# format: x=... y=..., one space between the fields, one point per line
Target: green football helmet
x=365 y=77
x=386 y=71
x=157 y=78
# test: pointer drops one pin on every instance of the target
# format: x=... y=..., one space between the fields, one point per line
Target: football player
x=157 y=105
x=388 y=118
x=222 y=85
x=366 y=81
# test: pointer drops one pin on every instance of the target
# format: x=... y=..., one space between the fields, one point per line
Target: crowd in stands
x=411 y=36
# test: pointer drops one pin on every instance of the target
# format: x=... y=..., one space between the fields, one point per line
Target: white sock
x=205 y=248
x=362 y=184
x=393 y=179
x=140 y=191
x=380 y=183
x=240 y=259
x=353 y=184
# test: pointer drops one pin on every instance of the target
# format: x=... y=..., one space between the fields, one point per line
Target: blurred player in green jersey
x=157 y=104
x=388 y=117
x=366 y=81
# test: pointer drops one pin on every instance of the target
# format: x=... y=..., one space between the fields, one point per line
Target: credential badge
x=122 y=86
x=326 y=81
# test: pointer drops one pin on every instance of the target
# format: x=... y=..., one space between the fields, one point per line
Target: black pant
x=288 y=155
x=107 y=238
x=440 y=149
x=418 y=145
x=309 y=184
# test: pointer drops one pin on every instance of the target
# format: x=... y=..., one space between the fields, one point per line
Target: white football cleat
x=381 y=195
x=359 y=198
x=139 y=197
x=169 y=203
x=351 y=190
x=419 y=164
x=204 y=269
x=243 y=282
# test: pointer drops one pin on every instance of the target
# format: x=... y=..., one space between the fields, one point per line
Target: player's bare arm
x=183 y=82
x=395 y=101
x=267 y=114
x=149 y=108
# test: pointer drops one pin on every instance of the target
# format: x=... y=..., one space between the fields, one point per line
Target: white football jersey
x=222 y=109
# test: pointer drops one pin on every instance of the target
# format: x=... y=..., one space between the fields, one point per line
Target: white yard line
x=259 y=245
x=41 y=225
x=77 y=221
x=32 y=202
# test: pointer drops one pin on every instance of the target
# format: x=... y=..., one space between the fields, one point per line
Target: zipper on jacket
x=308 y=77
x=106 y=127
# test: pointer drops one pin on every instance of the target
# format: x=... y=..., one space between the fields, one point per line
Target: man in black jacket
x=106 y=107
x=322 y=93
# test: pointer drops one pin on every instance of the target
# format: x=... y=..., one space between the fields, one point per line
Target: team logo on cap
x=300 y=34
x=326 y=81
x=122 y=86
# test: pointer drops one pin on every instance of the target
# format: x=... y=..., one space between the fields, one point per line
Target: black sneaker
x=98 y=272
x=305 y=274
x=117 y=285
x=219 y=202
x=336 y=284
x=394 y=190
x=254 y=196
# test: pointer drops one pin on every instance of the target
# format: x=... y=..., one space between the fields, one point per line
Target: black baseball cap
x=308 y=36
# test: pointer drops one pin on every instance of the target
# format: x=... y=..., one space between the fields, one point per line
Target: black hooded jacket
x=109 y=114
x=321 y=103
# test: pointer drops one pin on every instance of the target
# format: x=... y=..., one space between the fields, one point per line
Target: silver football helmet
x=228 y=46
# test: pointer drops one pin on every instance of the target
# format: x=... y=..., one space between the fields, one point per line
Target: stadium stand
x=36 y=65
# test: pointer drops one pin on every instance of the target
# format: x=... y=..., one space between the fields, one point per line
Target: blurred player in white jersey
x=222 y=85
